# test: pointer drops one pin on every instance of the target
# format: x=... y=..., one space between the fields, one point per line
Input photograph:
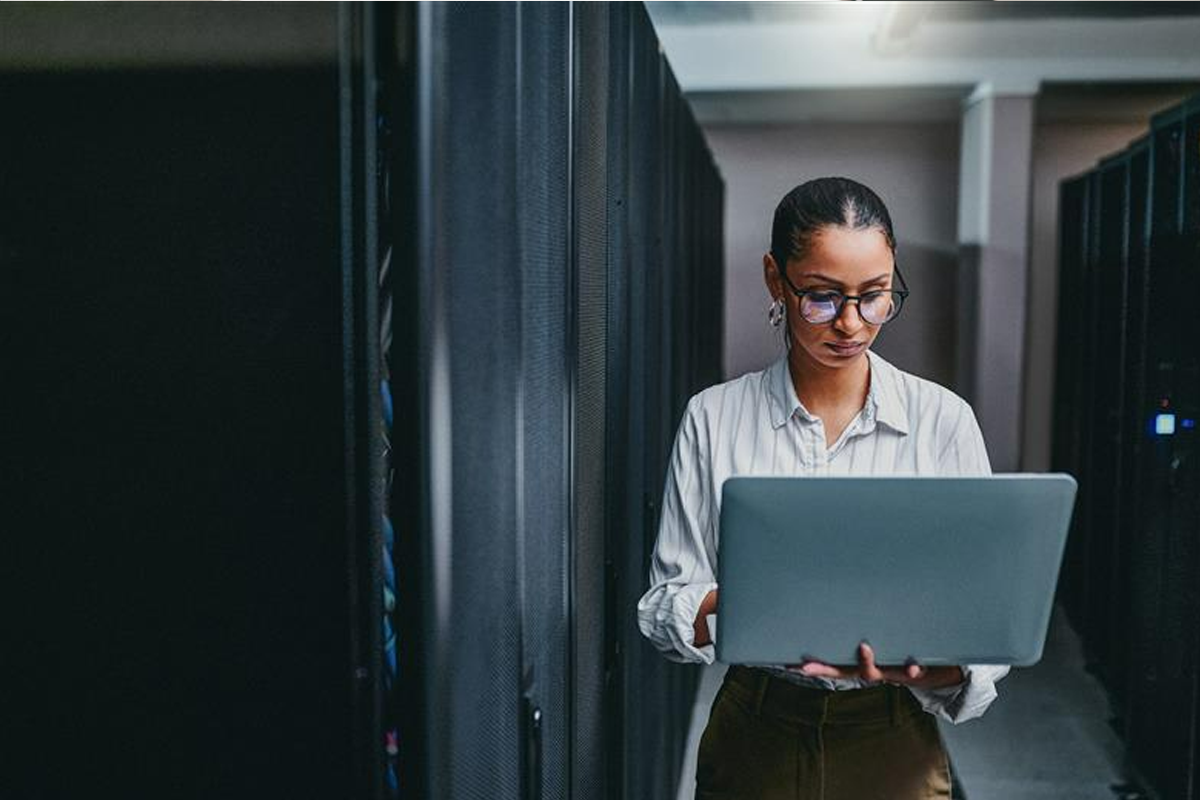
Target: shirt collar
x=885 y=401
x=782 y=394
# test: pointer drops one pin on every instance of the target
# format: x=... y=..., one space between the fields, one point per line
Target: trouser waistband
x=776 y=697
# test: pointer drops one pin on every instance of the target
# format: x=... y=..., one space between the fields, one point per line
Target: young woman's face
x=851 y=261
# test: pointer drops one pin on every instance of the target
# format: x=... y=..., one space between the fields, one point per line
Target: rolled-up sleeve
x=966 y=700
x=682 y=570
x=964 y=454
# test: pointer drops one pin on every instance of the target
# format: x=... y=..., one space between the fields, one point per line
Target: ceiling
x=707 y=13
x=780 y=62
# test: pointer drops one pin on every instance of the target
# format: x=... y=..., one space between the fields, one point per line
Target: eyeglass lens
x=875 y=307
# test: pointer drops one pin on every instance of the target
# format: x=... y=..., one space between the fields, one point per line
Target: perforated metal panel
x=566 y=356
x=1133 y=567
x=1104 y=400
x=1068 y=396
x=648 y=712
x=620 y=626
x=543 y=212
x=474 y=243
x=591 y=282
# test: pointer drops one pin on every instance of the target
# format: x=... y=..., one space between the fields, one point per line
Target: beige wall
x=912 y=166
x=1060 y=149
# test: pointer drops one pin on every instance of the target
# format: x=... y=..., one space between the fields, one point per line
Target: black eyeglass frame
x=902 y=293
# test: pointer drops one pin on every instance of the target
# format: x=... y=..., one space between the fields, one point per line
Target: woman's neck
x=822 y=389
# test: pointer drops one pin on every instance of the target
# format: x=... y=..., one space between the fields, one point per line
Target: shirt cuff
x=685 y=604
x=963 y=701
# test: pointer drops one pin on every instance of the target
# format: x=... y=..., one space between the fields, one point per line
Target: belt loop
x=760 y=690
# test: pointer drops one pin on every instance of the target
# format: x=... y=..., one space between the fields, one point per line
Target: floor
x=1046 y=735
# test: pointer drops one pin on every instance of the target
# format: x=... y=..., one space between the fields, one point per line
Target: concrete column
x=993 y=233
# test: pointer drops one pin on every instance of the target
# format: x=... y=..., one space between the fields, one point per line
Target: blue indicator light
x=1187 y=424
x=1164 y=424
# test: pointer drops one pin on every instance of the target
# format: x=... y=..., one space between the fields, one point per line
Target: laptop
x=937 y=569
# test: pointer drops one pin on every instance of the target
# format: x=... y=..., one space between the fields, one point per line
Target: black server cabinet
x=1092 y=591
x=1149 y=697
x=197 y=265
x=544 y=165
x=1183 y=574
x=1106 y=341
x=489 y=702
x=591 y=113
x=552 y=368
x=1162 y=738
x=1127 y=403
x=191 y=530
x=1126 y=639
x=1068 y=394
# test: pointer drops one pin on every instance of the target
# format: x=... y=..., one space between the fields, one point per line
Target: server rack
x=590 y=379
x=186 y=289
x=1105 y=369
x=314 y=547
x=1131 y=542
x=1134 y=567
x=1069 y=397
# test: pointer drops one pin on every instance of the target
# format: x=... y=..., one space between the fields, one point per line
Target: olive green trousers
x=768 y=739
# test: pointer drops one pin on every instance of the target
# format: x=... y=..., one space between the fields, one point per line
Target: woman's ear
x=771 y=276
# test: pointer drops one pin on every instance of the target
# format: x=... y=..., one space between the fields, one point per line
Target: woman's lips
x=846 y=348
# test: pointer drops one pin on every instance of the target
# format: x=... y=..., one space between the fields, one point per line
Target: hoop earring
x=776 y=313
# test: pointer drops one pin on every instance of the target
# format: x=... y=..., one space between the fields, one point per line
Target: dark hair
x=820 y=203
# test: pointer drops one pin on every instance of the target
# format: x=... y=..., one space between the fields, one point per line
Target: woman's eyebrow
x=827 y=279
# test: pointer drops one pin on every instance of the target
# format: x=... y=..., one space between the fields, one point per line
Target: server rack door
x=1184 y=574
x=1091 y=592
x=1134 y=568
x=472 y=293
x=640 y=703
x=1155 y=691
x=178 y=338
x=543 y=193
x=652 y=777
x=1072 y=224
x=590 y=160
x=622 y=468
x=1105 y=401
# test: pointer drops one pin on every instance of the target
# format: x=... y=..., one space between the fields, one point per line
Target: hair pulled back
x=821 y=203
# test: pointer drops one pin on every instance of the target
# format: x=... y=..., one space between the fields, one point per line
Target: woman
x=830 y=406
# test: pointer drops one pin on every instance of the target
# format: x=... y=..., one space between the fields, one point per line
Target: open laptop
x=942 y=570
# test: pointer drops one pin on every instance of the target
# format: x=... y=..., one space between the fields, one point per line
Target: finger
x=914 y=671
x=805 y=659
x=818 y=669
x=866 y=662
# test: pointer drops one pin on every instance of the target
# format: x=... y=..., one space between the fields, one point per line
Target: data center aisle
x=1046 y=736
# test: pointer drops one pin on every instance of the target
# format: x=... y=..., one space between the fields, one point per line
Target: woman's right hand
x=707 y=606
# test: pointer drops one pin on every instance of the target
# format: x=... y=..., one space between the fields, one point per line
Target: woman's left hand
x=912 y=674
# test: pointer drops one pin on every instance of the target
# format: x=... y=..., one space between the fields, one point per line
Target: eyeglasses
x=818 y=306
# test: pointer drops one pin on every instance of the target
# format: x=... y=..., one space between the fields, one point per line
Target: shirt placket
x=820 y=455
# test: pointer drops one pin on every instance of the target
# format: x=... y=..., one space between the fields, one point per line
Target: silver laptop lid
x=944 y=570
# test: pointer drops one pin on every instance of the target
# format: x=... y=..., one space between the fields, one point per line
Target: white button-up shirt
x=756 y=425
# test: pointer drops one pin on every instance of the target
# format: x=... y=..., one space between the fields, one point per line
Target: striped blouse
x=756 y=425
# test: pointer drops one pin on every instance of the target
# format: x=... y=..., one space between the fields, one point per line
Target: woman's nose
x=849 y=320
